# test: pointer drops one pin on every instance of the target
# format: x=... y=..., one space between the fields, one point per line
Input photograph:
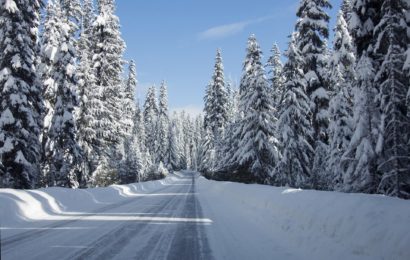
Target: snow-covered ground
x=262 y=222
x=188 y=217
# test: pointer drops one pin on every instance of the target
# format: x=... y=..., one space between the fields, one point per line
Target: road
x=165 y=224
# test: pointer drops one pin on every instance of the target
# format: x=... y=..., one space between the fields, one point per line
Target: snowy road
x=185 y=216
x=165 y=224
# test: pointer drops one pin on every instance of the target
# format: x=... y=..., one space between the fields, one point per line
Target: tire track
x=113 y=241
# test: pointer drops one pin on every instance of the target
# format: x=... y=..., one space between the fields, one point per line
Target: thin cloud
x=227 y=30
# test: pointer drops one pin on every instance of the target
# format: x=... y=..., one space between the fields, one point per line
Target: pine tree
x=258 y=147
x=150 y=123
x=392 y=44
x=127 y=101
x=163 y=125
x=218 y=116
x=232 y=102
x=294 y=167
x=86 y=24
x=360 y=159
x=108 y=48
x=50 y=42
x=208 y=101
x=139 y=143
x=139 y=132
x=63 y=155
x=341 y=106
x=21 y=95
x=174 y=147
x=129 y=167
x=72 y=9
x=89 y=99
x=88 y=15
x=208 y=160
x=275 y=74
x=312 y=32
x=230 y=161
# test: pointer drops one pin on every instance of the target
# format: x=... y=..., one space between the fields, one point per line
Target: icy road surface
x=165 y=224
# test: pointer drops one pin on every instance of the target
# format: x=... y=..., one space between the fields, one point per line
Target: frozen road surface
x=165 y=224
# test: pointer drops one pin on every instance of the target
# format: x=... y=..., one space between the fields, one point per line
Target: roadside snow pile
x=301 y=224
x=22 y=206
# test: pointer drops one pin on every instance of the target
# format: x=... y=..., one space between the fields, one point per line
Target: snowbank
x=18 y=207
x=302 y=224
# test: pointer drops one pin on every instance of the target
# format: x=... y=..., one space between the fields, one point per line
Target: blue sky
x=177 y=40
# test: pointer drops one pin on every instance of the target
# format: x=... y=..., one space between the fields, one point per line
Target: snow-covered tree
x=88 y=14
x=163 y=125
x=50 y=43
x=63 y=155
x=139 y=127
x=394 y=163
x=90 y=102
x=107 y=51
x=342 y=76
x=312 y=32
x=360 y=159
x=275 y=74
x=218 y=113
x=150 y=122
x=138 y=134
x=72 y=9
x=128 y=167
x=208 y=160
x=174 y=147
x=294 y=125
x=208 y=101
x=21 y=95
x=257 y=153
x=232 y=101
x=127 y=101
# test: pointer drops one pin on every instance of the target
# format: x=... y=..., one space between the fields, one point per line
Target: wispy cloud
x=226 y=30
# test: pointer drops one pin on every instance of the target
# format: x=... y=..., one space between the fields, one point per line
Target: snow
x=21 y=159
x=240 y=221
x=258 y=222
x=7 y=118
x=24 y=206
x=319 y=93
x=16 y=61
x=9 y=84
x=7 y=146
x=51 y=52
x=11 y=6
x=70 y=69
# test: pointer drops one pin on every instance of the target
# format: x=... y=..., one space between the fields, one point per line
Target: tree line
x=68 y=114
x=328 y=119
